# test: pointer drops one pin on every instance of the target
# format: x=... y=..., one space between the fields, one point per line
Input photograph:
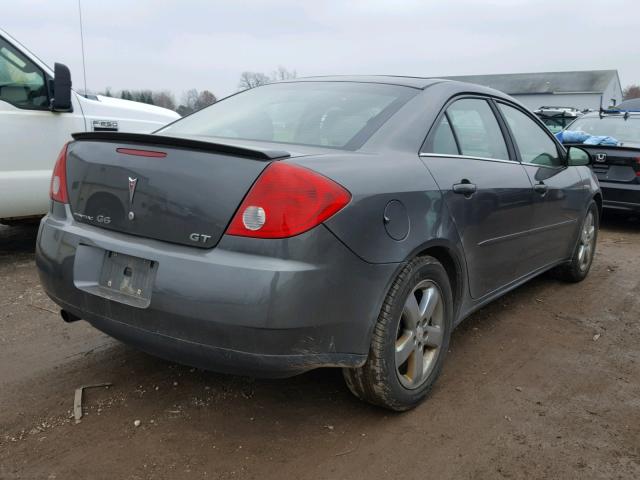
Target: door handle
x=465 y=188
x=541 y=188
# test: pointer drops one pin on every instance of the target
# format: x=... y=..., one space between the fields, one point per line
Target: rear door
x=558 y=193
x=487 y=191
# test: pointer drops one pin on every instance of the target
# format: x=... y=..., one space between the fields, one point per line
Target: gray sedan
x=346 y=222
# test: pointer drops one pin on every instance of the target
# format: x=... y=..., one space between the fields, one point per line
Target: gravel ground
x=543 y=383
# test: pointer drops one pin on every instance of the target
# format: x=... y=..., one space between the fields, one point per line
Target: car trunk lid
x=177 y=190
x=615 y=164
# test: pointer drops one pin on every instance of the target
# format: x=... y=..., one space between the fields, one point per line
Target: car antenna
x=84 y=68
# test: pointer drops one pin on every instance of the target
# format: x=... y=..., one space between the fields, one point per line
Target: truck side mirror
x=61 y=98
x=577 y=157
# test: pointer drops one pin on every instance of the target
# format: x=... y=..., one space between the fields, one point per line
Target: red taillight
x=58 y=187
x=287 y=200
x=638 y=167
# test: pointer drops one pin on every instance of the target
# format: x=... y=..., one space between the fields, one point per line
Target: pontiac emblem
x=132 y=191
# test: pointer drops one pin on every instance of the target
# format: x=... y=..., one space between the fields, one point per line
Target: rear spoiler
x=202 y=145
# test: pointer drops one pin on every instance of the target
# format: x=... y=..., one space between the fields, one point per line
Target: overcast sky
x=177 y=45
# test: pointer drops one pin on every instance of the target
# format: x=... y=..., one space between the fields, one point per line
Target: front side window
x=477 y=129
x=22 y=83
x=532 y=141
x=328 y=114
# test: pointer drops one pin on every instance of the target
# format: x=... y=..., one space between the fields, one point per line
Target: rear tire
x=410 y=339
x=578 y=267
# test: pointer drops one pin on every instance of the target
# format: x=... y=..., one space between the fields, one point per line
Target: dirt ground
x=543 y=383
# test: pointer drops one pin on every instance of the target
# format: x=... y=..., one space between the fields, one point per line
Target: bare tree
x=189 y=102
x=631 y=91
x=193 y=100
x=164 y=99
x=252 y=79
x=283 y=74
x=205 y=98
x=142 y=96
x=255 y=79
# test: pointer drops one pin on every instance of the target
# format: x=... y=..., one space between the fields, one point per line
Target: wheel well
x=598 y=199
x=451 y=266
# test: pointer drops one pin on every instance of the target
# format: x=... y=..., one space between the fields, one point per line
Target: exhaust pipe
x=68 y=317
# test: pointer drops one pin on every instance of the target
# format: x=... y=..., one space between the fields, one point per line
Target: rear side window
x=477 y=129
x=443 y=140
x=532 y=141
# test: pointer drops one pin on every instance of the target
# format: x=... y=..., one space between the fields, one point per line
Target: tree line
x=631 y=91
x=255 y=79
x=192 y=99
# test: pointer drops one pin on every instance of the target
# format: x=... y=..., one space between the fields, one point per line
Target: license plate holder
x=128 y=276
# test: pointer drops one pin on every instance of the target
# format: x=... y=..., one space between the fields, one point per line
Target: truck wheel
x=410 y=339
x=578 y=267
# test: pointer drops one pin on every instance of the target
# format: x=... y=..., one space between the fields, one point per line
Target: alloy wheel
x=420 y=334
x=587 y=239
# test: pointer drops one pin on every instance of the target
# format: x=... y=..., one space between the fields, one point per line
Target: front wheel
x=410 y=338
x=578 y=267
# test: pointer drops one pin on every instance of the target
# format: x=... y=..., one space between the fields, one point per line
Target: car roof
x=420 y=83
x=413 y=82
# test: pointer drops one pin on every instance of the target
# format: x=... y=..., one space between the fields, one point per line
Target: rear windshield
x=625 y=131
x=328 y=114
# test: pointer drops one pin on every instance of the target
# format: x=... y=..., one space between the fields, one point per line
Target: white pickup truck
x=38 y=113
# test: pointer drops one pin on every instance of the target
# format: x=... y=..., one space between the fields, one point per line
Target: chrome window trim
x=557 y=167
x=469 y=157
x=500 y=160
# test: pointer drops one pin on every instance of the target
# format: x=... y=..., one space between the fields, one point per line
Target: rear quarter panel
x=374 y=180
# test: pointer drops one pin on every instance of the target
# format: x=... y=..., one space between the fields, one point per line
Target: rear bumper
x=210 y=357
x=262 y=308
x=621 y=196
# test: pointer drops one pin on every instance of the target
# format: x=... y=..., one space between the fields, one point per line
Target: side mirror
x=61 y=97
x=578 y=157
